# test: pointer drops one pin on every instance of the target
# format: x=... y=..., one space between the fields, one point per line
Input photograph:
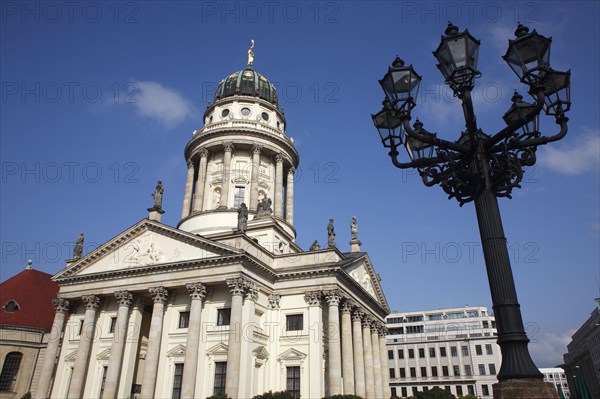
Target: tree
x=435 y=393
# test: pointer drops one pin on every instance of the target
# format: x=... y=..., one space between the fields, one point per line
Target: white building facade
x=221 y=303
x=453 y=349
x=557 y=376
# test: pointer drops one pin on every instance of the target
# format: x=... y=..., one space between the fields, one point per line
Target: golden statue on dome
x=251 y=53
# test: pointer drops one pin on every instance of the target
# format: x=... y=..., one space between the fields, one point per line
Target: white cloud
x=161 y=103
x=547 y=348
x=581 y=156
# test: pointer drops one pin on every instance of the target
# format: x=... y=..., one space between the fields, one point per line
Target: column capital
x=278 y=158
x=274 y=300
x=256 y=148
x=333 y=297
x=291 y=170
x=159 y=294
x=367 y=322
x=238 y=285
x=253 y=291
x=313 y=298
x=196 y=290
x=190 y=163
x=203 y=152
x=382 y=330
x=347 y=306
x=358 y=314
x=61 y=305
x=91 y=301
x=228 y=146
x=124 y=298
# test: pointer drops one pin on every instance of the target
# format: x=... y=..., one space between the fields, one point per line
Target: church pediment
x=70 y=358
x=291 y=354
x=218 y=349
x=177 y=351
x=363 y=273
x=104 y=355
x=145 y=244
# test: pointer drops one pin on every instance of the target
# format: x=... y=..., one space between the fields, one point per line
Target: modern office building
x=557 y=376
x=582 y=361
x=453 y=349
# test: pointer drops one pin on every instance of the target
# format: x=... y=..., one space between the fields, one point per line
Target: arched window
x=8 y=377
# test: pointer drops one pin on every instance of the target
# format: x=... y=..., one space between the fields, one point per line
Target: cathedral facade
x=225 y=302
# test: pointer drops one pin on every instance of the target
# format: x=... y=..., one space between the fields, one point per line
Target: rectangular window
x=492 y=367
x=411 y=353
x=177 y=381
x=415 y=391
x=478 y=350
x=431 y=352
x=447 y=388
x=80 y=327
x=220 y=374
x=391 y=355
x=443 y=352
x=392 y=373
x=413 y=372
x=404 y=392
x=294 y=322
x=292 y=383
x=104 y=369
x=482 y=369
x=393 y=391
x=402 y=372
x=238 y=196
x=434 y=371
x=471 y=390
x=113 y=322
x=223 y=316
x=485 y=390
x=423 y=371
x=465 y=350
x=184 y=319
x=459 y=391
x=400 y=353
x=453 y=351
x=445 y=371
x=421 y=353
x=488 y=349
x=456 y=370
x=468 y=369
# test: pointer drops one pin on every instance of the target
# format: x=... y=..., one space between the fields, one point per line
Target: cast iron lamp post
x=479 y=167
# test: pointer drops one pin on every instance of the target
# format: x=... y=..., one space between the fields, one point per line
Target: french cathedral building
x=225 y=302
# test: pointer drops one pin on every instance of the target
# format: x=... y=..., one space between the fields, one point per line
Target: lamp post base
x=525 y=389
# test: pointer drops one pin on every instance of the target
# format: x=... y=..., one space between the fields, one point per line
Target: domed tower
x=241 y=155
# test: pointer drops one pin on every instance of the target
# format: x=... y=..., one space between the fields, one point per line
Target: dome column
x=289 y=196
x=187 y=196
x=201 y=181
x=279 y=185
x=256 y=149
x=225 y=180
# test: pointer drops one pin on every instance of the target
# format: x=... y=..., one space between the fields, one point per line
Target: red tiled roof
x=33 y=291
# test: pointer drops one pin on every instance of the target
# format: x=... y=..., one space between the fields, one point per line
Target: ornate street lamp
x=479 y=167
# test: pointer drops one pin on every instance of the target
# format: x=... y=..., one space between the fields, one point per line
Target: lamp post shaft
x=516 y=361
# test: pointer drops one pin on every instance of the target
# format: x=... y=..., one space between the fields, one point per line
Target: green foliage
x=435 y=393
x=26 y=396
x=342 y=397
x=219 y=396
x=274 y=395
x=468 y=397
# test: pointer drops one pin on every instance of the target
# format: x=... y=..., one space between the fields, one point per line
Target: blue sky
x=100 y=98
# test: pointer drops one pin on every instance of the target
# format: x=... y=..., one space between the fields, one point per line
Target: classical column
x=187 y=196
x=190 y=366
x=368 y=353
x=238 y=287
x=378 y=381
x=387 y=392
x=289 y=196
x=113 y=372
x=359 y=360
x=279 y=185
x=335 y=355
x=225 y=179
x=61 y=307
x=347 y=355
x=201 y=180
x=91 y=303
x=315 y=345
x=159 y=296
x=256 y=149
